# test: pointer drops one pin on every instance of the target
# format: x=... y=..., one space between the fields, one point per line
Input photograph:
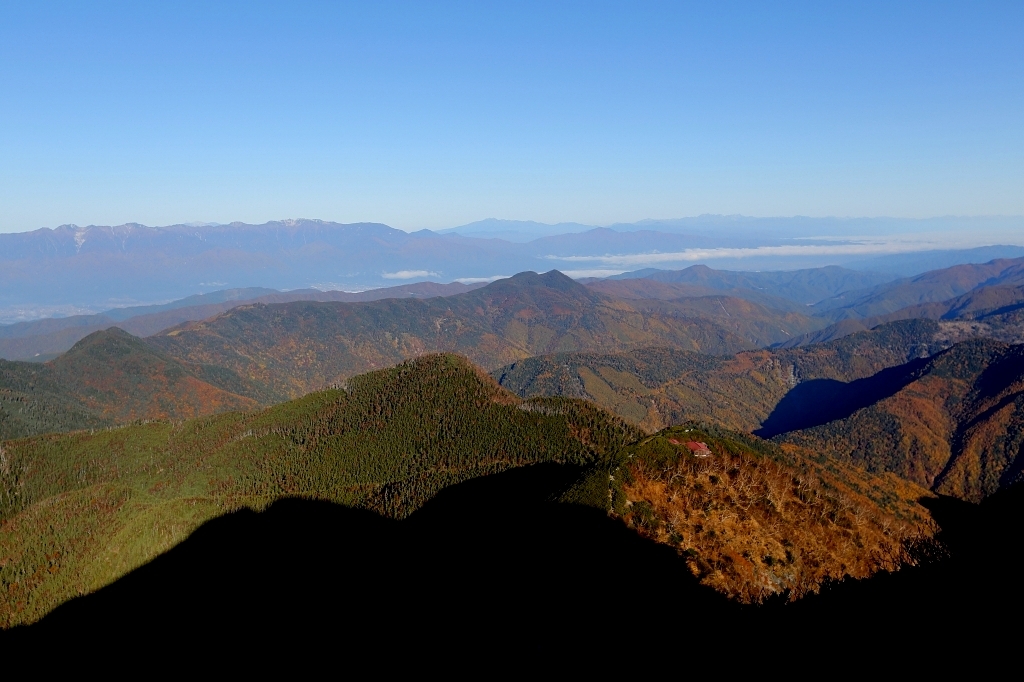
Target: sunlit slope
x=81 y=509
x=658 y=387
x=293 y=348
x=755 y=519
x=111 y=377
x=953 y=422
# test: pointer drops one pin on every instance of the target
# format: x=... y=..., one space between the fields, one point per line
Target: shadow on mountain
x=819 y=401
x=493 y=569
x=490 y=562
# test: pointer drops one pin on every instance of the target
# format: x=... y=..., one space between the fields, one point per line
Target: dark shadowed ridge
x=819 y=401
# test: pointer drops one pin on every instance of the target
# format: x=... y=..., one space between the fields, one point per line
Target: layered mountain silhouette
x=805 y=287
x=995 y=312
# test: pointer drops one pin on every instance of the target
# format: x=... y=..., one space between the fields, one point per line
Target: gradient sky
x=438 y=114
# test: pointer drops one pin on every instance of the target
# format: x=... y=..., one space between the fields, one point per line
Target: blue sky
x=434 y=115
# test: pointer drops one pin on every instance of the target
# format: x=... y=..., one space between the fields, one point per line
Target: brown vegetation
x=755 y=521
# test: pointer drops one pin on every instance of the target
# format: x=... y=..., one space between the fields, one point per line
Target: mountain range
x=100 y=267
x=92 y=506
x=768 y=449
x=42 y=339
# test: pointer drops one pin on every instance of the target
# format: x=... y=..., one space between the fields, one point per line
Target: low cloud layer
x=873 y=247
x=408 y=274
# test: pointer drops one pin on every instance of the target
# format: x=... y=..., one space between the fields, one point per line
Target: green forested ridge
x=755 y=519
x=107 y=378
x=79 y=510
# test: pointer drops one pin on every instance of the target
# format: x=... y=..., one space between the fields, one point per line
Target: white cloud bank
x=874 y=247
x=408 y=274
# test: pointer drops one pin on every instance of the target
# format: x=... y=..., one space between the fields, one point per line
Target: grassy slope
x=293 y=348
x=753 y=518
x=659 y=387
x=81 y=509
x=110 y=377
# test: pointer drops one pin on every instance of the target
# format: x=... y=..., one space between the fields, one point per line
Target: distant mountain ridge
x=94 y=266
x=28 y=340
x=995 y=312
x=293 y=348
x=929 y=287
x=807 y=286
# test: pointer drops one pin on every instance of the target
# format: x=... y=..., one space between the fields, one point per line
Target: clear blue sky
x=432 y=115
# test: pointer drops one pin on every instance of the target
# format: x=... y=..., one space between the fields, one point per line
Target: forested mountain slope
x=754 y=519
x=750 y=518
x=108 y=378
x=79 y=510
x=293 y=348
x=953 y=422
x=658 y=387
